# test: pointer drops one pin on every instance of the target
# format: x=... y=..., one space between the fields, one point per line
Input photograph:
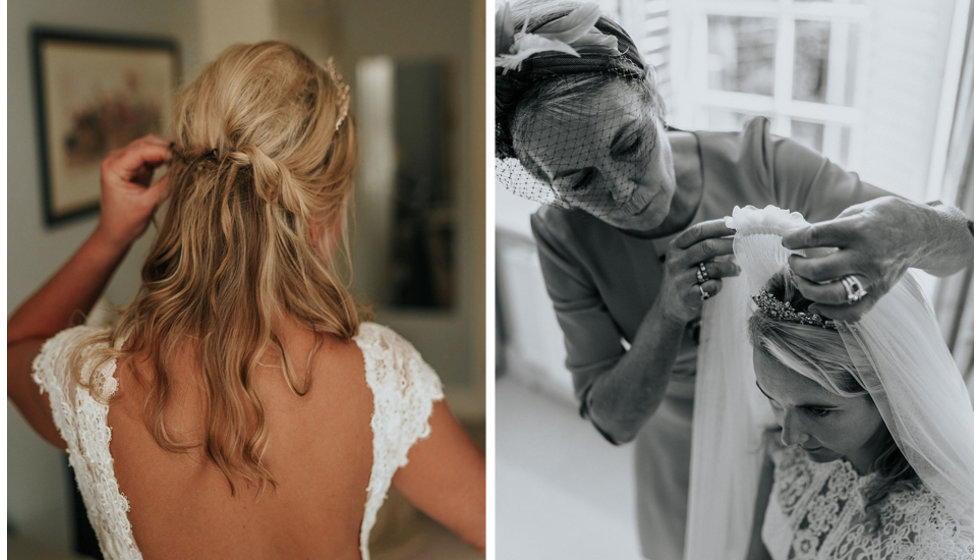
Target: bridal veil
x=915 y=385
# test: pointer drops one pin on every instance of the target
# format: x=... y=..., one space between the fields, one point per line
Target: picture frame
x=94 y=92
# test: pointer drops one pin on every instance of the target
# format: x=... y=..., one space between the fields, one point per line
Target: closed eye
x=581 y=180
x=629 y=146
x=818 y=412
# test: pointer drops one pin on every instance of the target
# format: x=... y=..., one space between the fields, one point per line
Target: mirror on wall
x=406 y=221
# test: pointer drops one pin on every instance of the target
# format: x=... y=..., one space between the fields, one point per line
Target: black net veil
x=578 y=120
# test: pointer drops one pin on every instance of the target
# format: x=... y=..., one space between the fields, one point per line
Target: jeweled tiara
x=784 y=311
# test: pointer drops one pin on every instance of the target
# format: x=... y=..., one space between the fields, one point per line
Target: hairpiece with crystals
x=342 y=92
x=780 y=310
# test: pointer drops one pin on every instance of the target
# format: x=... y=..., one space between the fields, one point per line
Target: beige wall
x=449 y=31
x=37 y=481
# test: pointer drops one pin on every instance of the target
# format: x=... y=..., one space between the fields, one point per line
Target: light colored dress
x=816 y=511
x=404 y=388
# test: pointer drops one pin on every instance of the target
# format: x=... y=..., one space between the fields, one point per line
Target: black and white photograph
x=734 y=279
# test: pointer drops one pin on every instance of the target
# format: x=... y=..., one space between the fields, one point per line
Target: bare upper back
x=319 y=453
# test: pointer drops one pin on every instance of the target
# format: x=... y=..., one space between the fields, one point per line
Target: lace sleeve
x=404 y=388
x=53 y=376
x=915 y=524
x=81 y=418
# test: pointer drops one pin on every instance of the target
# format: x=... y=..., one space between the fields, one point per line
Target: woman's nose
x=621 y=190
x=792 y=433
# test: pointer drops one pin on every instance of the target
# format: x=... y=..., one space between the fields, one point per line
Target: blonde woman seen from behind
x=239 y=408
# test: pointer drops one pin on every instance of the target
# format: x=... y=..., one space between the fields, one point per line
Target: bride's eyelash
x=819 y=412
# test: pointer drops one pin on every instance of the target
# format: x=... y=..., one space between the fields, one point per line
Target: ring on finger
x=704 y=295
x=702 y=274
x=853 y=288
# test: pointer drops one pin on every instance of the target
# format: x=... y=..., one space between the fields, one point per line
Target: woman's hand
x=681 y=293
x=878 y=242
x=128 y=198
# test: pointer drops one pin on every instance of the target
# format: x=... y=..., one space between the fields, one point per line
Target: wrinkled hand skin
x=878 y=242
x=702 y=242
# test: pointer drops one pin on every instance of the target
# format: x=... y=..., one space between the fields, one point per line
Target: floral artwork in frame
x=94 y=93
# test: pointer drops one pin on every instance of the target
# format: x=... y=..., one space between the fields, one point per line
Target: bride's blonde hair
x=262 y=164
x=820 y=355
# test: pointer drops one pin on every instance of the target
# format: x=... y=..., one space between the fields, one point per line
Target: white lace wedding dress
x=404 y=388
x=816 y=511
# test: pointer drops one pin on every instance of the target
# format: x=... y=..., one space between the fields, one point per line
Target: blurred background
x=883 y=88
x=416 y=70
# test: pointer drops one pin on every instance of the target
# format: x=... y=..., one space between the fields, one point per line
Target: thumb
x=160 y=189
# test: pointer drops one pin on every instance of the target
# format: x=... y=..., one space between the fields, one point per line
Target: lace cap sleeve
x=52 y=374
x=404 y=388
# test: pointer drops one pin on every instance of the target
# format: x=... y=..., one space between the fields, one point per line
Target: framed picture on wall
x=94 y=93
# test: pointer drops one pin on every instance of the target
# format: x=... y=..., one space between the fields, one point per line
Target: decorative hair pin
x=784 y=311
x=568 y=34
x=342 y=91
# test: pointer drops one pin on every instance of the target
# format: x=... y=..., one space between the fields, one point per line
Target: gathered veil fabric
x=730 y=413
x=404 y=387
x=915 y=384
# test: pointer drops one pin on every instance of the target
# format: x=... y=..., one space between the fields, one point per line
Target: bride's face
x=825 y=425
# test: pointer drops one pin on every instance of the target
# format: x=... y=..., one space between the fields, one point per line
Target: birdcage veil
x=557 y=63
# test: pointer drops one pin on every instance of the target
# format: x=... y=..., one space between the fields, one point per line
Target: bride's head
x=812 y=381
x=264 y=152
x=260 y=181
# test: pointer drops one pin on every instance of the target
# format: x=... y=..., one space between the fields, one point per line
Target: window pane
x=809 y=134
x=727 y=119
x=825 y=62
x=843 y=159
x=844 y=71
x=811 y=60
x=741 y=51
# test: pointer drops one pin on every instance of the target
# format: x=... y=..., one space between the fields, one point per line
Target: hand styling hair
x=262 y=162
x=819 y=354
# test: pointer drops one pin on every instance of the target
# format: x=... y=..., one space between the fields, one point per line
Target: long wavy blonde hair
x=262 y=164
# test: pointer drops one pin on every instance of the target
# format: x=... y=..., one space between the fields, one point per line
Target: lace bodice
x=816 y=511
x=404 y=388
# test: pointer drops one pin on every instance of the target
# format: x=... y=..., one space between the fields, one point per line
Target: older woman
x=240 y=408
x=631 y=239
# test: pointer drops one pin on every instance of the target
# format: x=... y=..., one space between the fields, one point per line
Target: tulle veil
x=915 y=385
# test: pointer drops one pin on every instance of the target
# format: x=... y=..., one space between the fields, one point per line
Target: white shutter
x=907 y=43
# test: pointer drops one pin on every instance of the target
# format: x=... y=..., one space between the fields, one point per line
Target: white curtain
x=954 y=295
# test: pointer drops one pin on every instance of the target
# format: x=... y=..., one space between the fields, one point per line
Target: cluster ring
x=852 y=286
x=702 y=275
